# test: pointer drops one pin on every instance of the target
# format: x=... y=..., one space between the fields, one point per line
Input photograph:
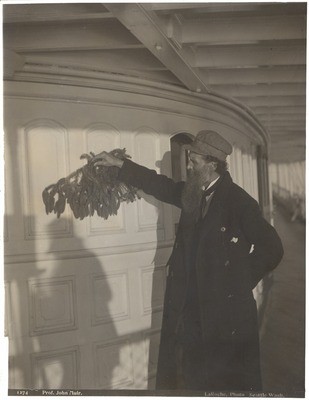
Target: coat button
x=233 y=332
x=227 y=263
x=223 y=229
x=230 y=296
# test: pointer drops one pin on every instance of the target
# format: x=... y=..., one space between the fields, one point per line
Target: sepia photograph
x=154 y=198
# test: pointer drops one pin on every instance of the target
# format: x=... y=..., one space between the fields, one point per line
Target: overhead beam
x=293 y=134
x=101 y=60
x=294 y=156
x=275 y=74
x=210 y=8
x=287 y=155
x=284 y=141
x=281 y=113
x=284 y=125
x=276 y=118
x=288 y=146
x=276 y=89
x=281 y=138
x=32 y=13
x=274 y=101
x=287 y=152
x=281 y=123
x=143 y=23
x=280 y=148
x=280 y=110
x=69 y=36
x=184 y=6
x=243 y=29
x=249 y=56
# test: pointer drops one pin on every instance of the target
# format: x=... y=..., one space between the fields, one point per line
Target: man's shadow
x=90 y=315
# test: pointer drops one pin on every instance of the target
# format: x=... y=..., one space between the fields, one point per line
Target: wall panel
x=111 y=300
x=56 y=369
x=99 y=137
x=45 y=149
x=150 y=211
x=114 y=365
x=52 y=305
x=153 y=281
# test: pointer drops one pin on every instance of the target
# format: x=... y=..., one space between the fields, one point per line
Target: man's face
x=199 y=168
x=200 y=172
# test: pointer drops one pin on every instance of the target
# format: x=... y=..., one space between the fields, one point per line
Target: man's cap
x=210 y=143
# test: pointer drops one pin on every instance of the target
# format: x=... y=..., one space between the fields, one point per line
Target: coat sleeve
x=268 y=250
x=159 y=186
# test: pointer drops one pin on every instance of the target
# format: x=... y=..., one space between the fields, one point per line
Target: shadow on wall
x=53 y=332
x=17 y=322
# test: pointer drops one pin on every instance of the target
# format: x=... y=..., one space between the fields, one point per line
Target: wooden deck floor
x=283 y=328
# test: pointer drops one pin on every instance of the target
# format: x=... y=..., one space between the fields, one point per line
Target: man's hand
x=107 y=160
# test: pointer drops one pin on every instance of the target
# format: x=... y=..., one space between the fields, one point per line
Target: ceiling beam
x=287 y=152
x=101 y=60
x=287 y=155
x=280 y=126
x=289 y=147
x=300 y=124
x=30 y=13
x=280 y=110
x=292 y=135
x=283 y=129
x=226 y=7
x=254 y=75
x=249 y=55
x=275 y=89
x=143 y=23
x=238 y=30
x=274 y=101
x=282 y=158
x=285 y=141
x=69 y=36
x=283 y=117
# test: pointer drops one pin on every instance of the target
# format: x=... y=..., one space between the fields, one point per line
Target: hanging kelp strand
x=92 y=188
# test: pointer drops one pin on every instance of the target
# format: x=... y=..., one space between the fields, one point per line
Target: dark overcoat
x=226 y=273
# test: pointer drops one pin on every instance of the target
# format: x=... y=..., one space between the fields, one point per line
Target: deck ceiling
x=252 y=52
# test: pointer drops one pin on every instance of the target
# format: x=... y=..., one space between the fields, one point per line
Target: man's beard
x=192 y=192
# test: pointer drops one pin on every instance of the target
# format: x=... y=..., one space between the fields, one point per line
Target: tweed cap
x=210 y=143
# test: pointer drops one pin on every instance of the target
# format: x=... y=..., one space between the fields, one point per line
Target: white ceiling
x=253 y=52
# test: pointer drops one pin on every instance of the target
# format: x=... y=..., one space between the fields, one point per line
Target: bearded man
x=209 y=337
